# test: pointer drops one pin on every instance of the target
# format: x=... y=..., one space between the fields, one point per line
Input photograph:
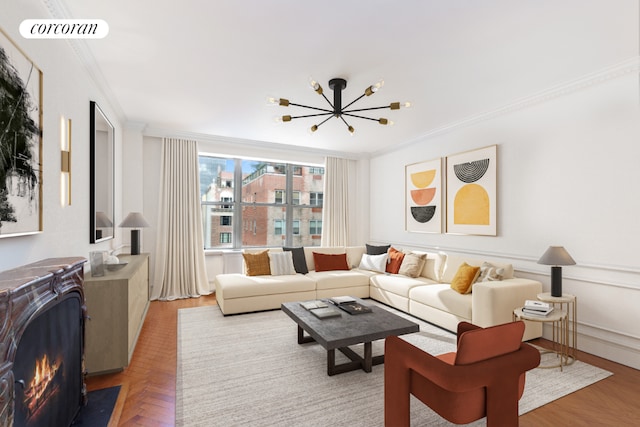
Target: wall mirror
x=102 y=144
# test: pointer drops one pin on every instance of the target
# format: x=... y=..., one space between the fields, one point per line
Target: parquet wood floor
x=148 y=384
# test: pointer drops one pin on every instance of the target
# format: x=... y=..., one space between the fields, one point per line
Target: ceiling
x=207 y=67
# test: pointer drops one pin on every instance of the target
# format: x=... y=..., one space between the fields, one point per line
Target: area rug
x=97 y=412
x=248 y=370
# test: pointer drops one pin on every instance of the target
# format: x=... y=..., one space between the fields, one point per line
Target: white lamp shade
x=134 y=220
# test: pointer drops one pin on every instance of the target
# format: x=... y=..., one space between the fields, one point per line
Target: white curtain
x=335 y=211
x=179 y=266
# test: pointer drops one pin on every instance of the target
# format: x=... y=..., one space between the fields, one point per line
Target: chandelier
x=337 y=110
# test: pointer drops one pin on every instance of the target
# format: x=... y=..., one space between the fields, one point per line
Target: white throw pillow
x=490 y=273
x=281 y=263
x=373 y=262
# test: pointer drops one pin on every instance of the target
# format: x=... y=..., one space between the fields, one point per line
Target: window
x=278 y=230
x=228 y=200
x=315 y=199
x=315 y=227
x=276 y=204
x=280 y=196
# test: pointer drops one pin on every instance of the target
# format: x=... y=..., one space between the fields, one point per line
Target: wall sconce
x=65 y=161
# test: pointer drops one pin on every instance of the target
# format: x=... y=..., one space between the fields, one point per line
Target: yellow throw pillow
x=257 y=264
x=464 y=278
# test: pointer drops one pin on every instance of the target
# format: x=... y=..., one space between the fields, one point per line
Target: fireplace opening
x=48 y=366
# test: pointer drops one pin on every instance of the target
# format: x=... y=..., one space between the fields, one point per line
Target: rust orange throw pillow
x=328 y=262
x=395 y=260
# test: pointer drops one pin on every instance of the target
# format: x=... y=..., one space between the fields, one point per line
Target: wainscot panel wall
x=567 y=166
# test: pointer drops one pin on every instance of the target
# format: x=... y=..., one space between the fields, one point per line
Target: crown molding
x=629 y=66
x=58 y=10
x=248 y=143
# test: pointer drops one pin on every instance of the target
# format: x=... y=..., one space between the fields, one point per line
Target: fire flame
x=45 y=371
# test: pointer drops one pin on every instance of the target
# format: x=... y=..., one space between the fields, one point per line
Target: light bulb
x=377 y=85
x=312 y=129
x=315 y=85
x=278 y=101
x=351 y=130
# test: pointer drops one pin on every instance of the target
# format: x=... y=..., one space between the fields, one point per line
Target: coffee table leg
x=302 y=339
x=331 y=362
x=366 y=362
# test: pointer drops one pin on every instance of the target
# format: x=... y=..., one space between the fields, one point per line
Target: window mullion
x=237 y=205
x=289 y=206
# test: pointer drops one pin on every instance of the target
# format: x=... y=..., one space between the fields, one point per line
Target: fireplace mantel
x=26 y=292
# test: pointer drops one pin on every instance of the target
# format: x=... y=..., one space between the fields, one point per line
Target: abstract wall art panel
x=471 y=192
x=423 y=197
x=20 y=142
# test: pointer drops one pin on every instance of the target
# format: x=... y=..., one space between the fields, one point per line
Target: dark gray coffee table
x=347 y=330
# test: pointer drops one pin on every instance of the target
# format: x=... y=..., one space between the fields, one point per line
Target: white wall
x=567 y=166
x=68 y=88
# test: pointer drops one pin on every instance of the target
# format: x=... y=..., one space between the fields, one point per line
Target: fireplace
x=42 y=316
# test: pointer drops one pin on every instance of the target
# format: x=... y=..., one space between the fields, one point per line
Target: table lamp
x=556 y=256
x=135 y=221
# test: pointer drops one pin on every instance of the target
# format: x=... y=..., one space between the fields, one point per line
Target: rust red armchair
x=484 y=377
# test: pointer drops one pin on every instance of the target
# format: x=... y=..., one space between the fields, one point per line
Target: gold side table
x=560 y=326
x=569 y=303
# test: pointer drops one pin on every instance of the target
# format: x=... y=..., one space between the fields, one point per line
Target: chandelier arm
x=313 y=115
x=329 y=102
x=311 y=108
x=345 y=122
x=366 y=109
x=324 y=121
x=354 y=101
x=359 y=117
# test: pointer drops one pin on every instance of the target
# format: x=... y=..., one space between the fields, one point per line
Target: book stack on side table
x=537 y=308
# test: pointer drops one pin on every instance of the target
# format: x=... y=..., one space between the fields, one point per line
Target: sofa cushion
x=442 y=297
x=377 y=250
x=354 y=255
x=329 y=262
x=281 y=263
x=412 y=264
x=395 y=260
x=242 y=286
x=433 y=265
x=464 y=278
x=299 y=260
x=339 y=279
x=257 y=264
x=374 y=262
x=398 y=284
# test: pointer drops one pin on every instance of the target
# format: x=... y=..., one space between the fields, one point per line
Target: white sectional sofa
x=429 y=296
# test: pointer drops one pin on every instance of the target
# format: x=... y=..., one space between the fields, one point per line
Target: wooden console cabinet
x=117 y=304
